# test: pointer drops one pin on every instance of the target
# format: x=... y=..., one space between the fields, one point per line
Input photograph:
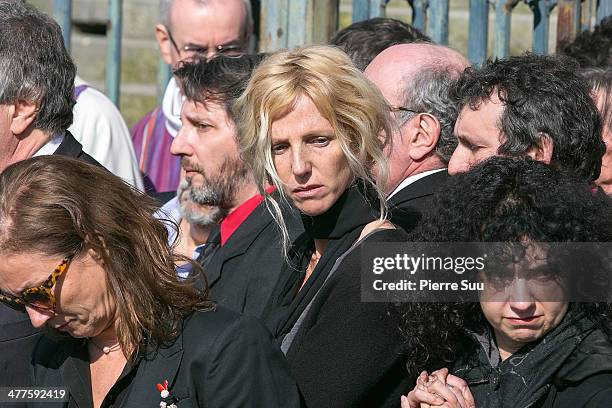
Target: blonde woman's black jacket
x=343 y=352
x=220 y=360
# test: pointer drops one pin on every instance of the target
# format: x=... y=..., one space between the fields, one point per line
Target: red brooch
x=168 y=401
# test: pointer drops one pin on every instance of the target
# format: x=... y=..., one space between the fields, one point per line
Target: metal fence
x=289 y=23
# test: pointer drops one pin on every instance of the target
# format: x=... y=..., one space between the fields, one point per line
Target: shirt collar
x=411 y=179
x=169 y=213
x=51 y=146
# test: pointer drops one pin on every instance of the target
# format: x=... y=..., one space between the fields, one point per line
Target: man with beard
x=188 y=29
x=217 y=198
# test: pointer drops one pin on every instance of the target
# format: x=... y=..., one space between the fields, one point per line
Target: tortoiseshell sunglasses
x=41 y=297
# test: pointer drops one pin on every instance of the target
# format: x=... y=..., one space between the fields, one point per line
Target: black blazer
x=219 y=360
x=407 y=205
x=17 y=336
x=348 y=353
x=70 y=147
x=244 y=272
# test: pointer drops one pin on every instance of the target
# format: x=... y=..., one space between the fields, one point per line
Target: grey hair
x=35 y=66
x=247 y=25
x=600 y=80
x=427 y=91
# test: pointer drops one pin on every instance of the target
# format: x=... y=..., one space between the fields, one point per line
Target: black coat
x=70 y=147
x=570 y=367
x=243 y=273
x=585 y=379
x=220 y=360
x=407 y=205
x=348 y=353
x=17 y=336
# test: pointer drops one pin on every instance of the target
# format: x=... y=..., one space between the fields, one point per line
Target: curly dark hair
x=593 y=49
x=543 y=95
x=364 y=40
x=503 y=199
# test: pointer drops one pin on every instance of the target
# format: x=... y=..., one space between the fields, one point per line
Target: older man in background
x=188 y=29
x=364 y=40
x=415 y=79
x=36 y=99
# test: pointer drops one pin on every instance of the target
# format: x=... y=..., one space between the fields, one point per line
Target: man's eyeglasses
x=394 y=108
x=41 y=297
x=193 y=50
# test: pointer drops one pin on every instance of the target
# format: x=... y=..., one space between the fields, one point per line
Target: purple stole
x=152 y=146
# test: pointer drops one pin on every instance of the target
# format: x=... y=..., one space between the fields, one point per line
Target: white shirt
x=411 y=179
x=51 y=146
x=99 y=127
x=171 y=106
x=171 y=211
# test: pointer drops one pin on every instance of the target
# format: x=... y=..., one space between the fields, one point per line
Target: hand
x=440 y=389
x=420 y=397
x=458 y=386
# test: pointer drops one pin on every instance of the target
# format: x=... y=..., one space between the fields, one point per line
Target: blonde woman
x=310 y=124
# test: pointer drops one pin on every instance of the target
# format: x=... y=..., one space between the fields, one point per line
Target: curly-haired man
x=529 y=105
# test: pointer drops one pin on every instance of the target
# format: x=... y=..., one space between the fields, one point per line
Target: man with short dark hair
x=36 y=100
x=529 y=105
x=593 y=48
x=242 y=256
x=205 y=196
x=187 y=29
x=364 y=40
x=415 y=80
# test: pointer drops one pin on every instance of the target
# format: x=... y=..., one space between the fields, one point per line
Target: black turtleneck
x=341 y=225
x=355 y=208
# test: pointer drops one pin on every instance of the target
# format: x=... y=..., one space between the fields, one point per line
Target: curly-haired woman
x=533 y=345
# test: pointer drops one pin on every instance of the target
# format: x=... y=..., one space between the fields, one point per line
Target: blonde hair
x=353 y=106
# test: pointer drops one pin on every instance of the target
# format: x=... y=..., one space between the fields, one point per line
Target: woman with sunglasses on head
x=85 y=259
x=310 y=123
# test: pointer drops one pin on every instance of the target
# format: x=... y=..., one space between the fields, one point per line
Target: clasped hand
x=439 y=389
